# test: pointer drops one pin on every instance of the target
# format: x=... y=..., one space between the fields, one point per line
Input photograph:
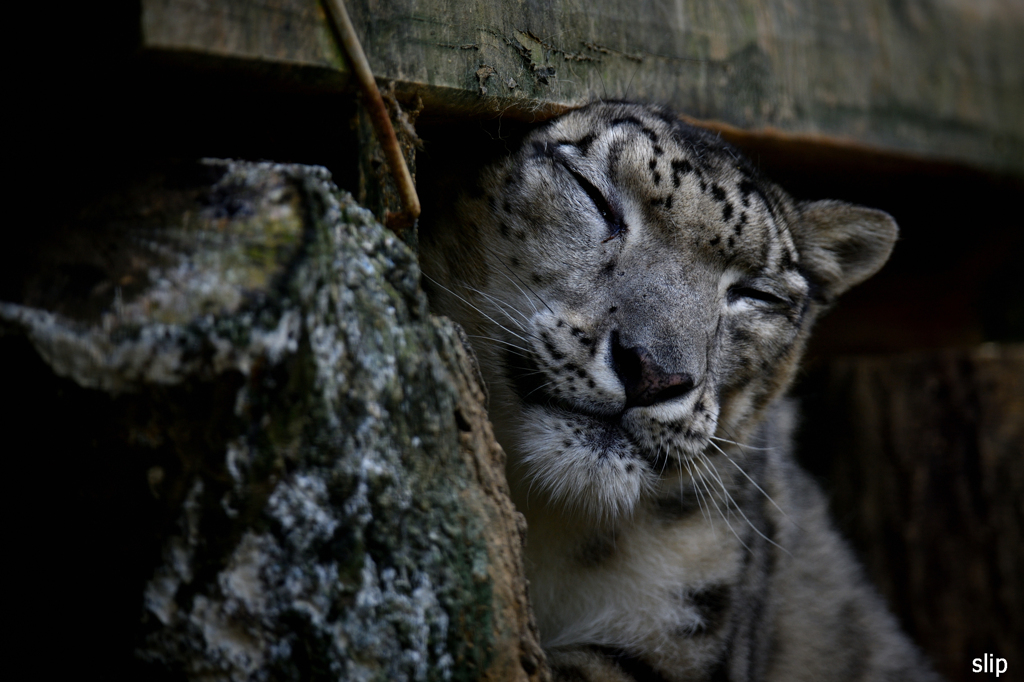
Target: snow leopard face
x=635 y=290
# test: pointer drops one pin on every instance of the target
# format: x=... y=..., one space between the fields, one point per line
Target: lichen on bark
x=335 y=500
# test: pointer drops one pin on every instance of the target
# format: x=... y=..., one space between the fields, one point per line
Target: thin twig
x=376 y=109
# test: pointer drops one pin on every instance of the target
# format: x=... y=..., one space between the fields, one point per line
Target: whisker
x=479 y=310
x=767 y=496
x=528 y=287
x=530 y=374
x=696 y=490
x=742 y=445
x=553 y=381
x=709 y=463
x=720 y=513
x=710 y=497
x=529 y=490
x=507 y=343
x=501 y=308
x=520 y=289
x=501 y=305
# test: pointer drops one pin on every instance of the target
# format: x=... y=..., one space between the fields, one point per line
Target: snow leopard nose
x=645 y=382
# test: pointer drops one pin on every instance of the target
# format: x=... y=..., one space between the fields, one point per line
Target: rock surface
x=303 y=449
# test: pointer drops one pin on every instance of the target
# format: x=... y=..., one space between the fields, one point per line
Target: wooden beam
x=279 y=39
x=936 y=80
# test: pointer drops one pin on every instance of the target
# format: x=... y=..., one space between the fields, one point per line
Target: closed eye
x=612 y=217
x=738 y=292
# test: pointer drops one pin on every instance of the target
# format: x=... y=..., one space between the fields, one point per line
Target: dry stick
x=375 y=107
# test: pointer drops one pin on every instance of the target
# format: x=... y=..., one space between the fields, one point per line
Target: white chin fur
x=594 y=475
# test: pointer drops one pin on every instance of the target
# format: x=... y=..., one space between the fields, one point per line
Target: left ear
x=841 y=244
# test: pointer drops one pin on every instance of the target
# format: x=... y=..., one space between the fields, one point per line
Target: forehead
x=682 y=185
x=584 y=126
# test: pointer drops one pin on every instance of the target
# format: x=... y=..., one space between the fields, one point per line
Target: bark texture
x=303 y=449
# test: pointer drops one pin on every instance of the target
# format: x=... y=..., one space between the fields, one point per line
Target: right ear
x=841 y=245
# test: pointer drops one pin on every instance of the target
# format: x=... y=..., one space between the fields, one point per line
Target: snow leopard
x=639 y=297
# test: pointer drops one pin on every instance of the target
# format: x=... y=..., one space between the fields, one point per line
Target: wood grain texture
x=922 y=452
x=938 y=79
x=283 y=39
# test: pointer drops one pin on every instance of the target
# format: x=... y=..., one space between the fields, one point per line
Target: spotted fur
x=639 y=298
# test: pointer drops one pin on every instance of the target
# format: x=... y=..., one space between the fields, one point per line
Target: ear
x=841 y=244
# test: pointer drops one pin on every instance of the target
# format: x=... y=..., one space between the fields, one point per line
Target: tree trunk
x=265 y=460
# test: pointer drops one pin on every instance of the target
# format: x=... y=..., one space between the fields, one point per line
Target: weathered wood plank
x=289 y=37
x=938 y=79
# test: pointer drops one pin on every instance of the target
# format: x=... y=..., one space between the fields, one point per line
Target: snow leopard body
x=639 y=298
